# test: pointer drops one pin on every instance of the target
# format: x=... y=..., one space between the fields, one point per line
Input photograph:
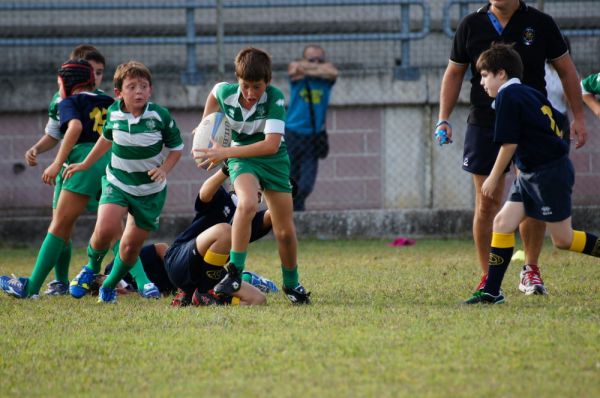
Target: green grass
x=384 y=322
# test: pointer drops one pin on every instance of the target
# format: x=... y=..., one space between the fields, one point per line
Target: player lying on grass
x=196 y=260
x=530 y=130
x=152 y=259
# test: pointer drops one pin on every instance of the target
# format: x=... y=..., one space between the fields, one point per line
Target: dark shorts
x=546 y=192
x=480 y=150
x=188 y=270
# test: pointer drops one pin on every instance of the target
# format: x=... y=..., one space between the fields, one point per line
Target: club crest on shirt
x=528 y=36
x=150 y=124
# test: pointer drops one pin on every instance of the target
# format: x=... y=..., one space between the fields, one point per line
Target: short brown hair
x=87 y=52
x=253 y=65
x=501 y=56
x=131 y=69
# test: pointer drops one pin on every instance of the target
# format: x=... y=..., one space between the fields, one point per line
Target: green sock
x=246 y=277
x=139 y=275
x=46 y=259
x=61 y=270
x=238 y=259
x=115 y=248
x=290 y=277
x=119 y=270
x=95 y=258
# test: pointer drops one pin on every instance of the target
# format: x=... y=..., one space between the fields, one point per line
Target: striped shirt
x=248 y=126
x=137 y=143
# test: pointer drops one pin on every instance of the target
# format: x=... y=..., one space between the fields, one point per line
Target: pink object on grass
x=401 y=241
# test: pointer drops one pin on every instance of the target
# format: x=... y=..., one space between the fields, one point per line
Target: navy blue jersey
x=90 y=109
x=525 y=117
x=219 y=210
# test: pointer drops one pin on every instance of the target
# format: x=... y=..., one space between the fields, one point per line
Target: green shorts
x=144 y=209
x=84 y=182
x=272 y=172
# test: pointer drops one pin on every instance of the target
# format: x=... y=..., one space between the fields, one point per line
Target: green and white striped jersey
x=53 y=125
x=248 y=126
x=137 y=143
x=591 y=84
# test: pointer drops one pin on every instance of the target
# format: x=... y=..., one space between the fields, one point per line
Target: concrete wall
x=382 y=156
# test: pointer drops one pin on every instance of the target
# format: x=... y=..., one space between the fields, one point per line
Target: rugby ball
x=214 y=127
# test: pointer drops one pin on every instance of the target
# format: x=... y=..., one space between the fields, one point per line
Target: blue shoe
x=57 y=288
x=107 y=295
x=261 y=283
x=16 y=287
x=80 y=285
x=150 y=291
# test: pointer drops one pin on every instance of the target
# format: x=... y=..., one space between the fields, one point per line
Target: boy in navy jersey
x=82 y=115
x=528 y=128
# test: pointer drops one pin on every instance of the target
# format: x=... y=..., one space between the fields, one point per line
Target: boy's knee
x=246 y=208
x=285 y=236
x=561 y=242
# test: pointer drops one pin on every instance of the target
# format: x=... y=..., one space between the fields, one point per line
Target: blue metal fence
x=191 y=39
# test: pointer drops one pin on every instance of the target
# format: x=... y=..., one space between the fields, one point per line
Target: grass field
x=385 y=322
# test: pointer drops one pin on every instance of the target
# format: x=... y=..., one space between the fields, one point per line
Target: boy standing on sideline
x=590 y=87
x=81 y=120
x=537 y=39
x=257 y=159
x=52 y=136
x=311 y=81
x=530 y=129
x=135 y=132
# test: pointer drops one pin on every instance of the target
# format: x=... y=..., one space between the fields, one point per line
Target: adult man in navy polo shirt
x=536 y=38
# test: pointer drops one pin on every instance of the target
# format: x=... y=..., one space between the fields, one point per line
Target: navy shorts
x=546 y=192
x=188 y=270
x=480 y=150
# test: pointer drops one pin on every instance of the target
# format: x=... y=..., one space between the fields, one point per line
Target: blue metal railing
x=191 y=39
x=464 y=9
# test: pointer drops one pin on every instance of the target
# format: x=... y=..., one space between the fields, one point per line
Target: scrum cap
x=76 y=73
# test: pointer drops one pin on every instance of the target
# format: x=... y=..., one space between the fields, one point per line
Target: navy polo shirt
x=526 y=118
x=536 y=37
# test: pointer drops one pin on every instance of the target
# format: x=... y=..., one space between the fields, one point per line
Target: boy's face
x=251 y=92
x=135 y=93
x=98 y=72
x=492 y=82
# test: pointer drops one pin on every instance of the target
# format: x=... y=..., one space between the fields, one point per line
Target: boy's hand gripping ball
x=214 y=127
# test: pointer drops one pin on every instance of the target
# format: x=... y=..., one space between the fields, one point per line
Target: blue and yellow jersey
x=90 y=109
x=525 y=117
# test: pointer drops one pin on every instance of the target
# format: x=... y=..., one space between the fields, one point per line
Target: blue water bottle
x=441 y=135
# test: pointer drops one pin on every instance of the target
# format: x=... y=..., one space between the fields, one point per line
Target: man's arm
x=449 y=91
x=299 y=69
x=570 y=81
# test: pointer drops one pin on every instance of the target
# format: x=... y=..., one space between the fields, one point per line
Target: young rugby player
x=136 y=130
x=52 y=136
x=81 y=119
x=258 y=160
x=530 y=129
